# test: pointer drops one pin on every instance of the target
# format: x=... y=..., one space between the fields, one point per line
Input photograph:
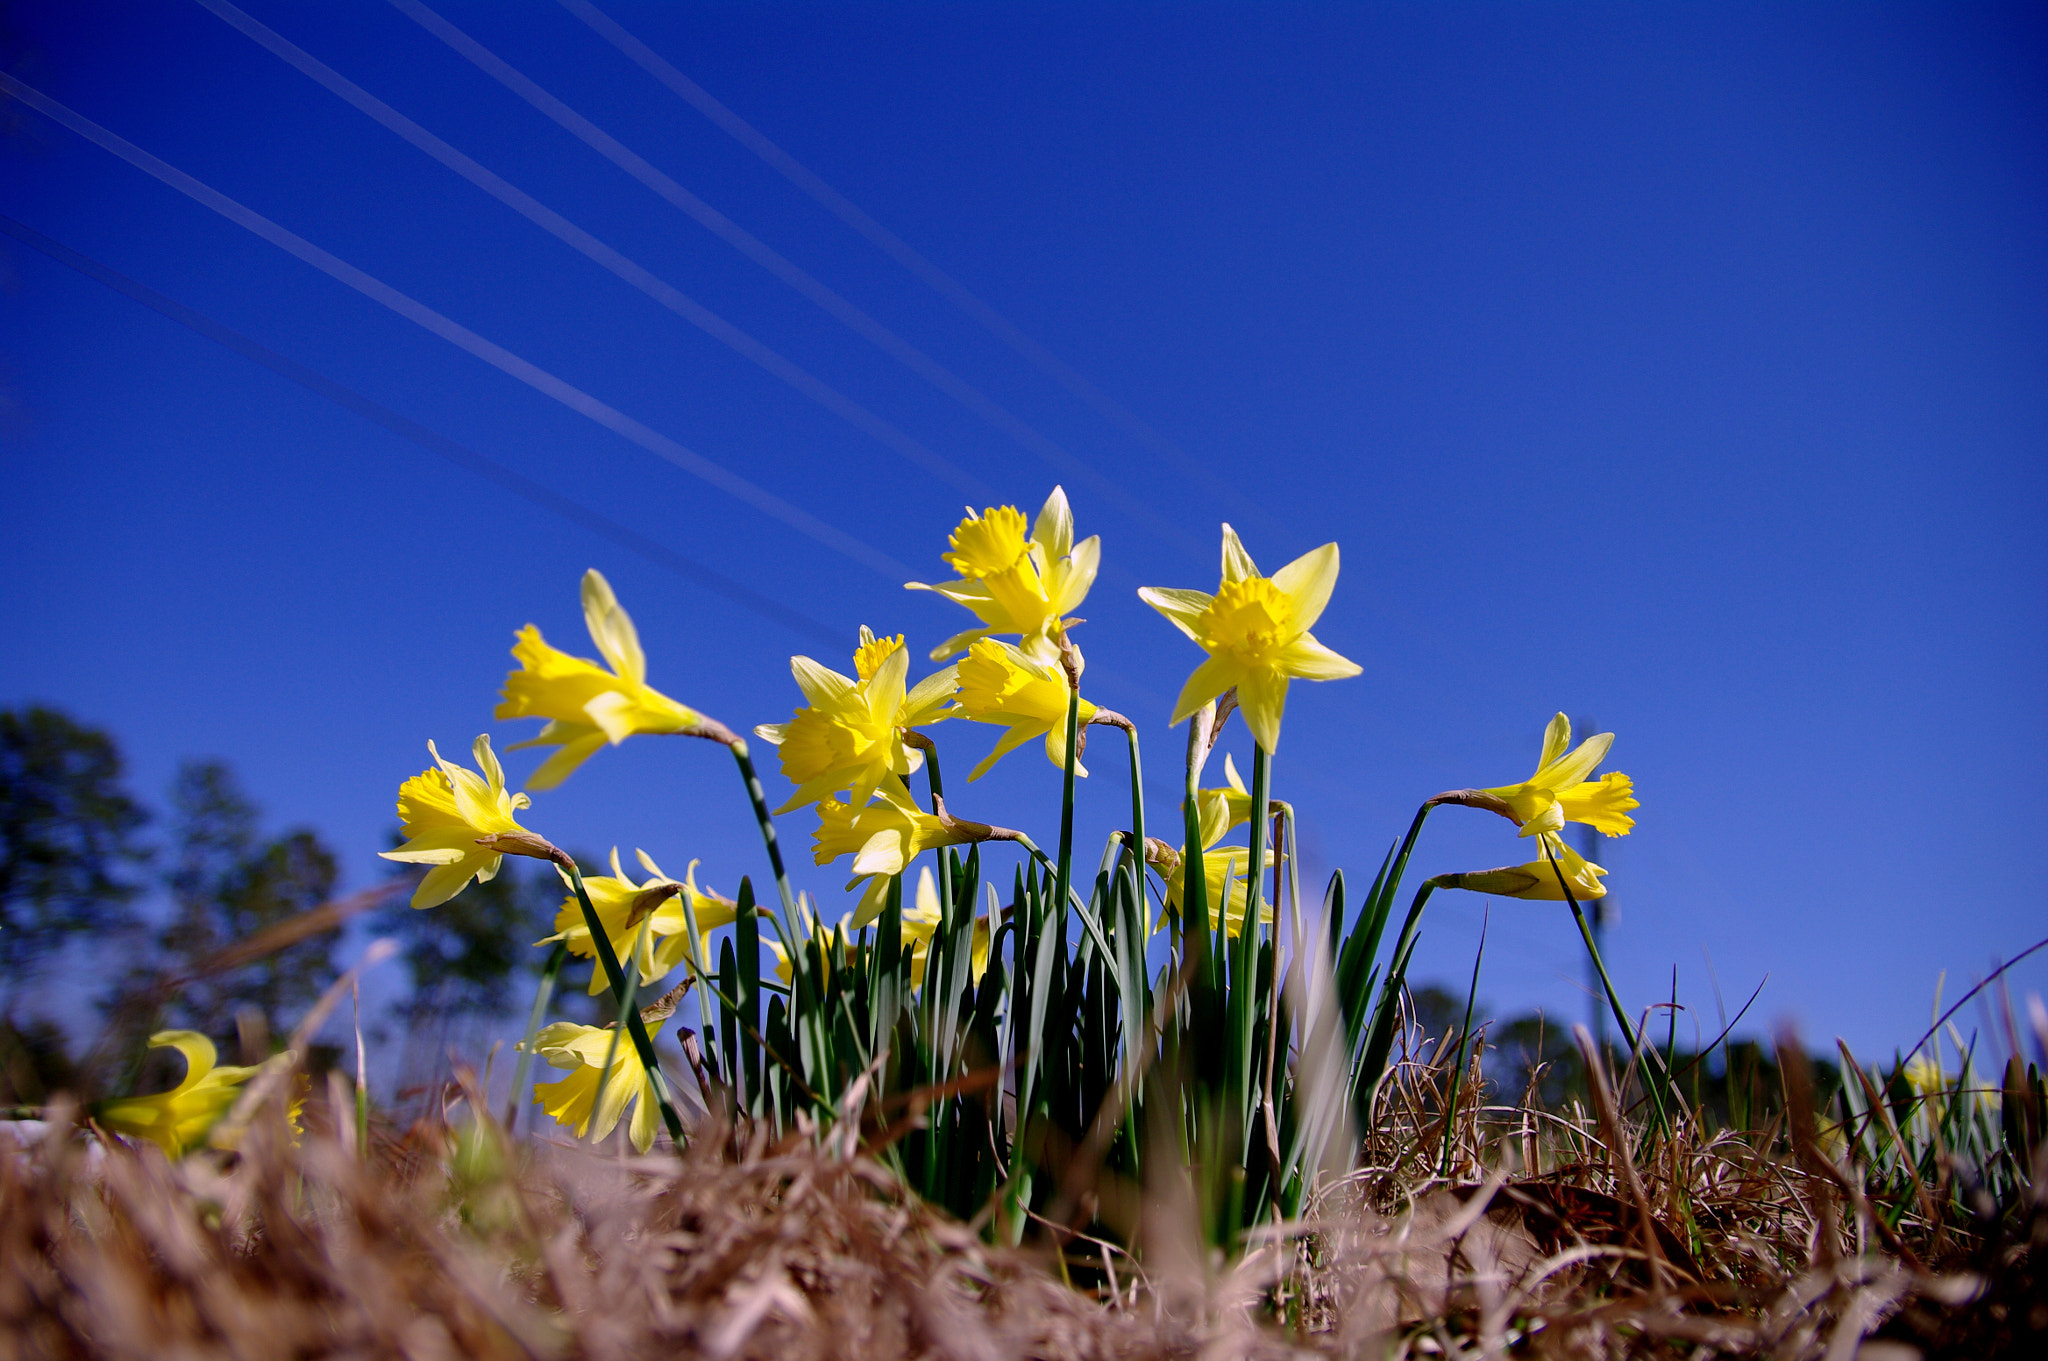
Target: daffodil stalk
x=609 y=958
x=1628 y=1031
x=628 y=995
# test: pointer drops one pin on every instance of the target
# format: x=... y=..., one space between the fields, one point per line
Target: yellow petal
x=563 y=763
x=1308 y=581
x=1055 y=526
x=1204 y=683
x=1072 y=579
x=200 y=1055
x=821 y=684
x=1262 y=695
x=613 y=713
x=881 y=853
x=1307 y=659
x=1556 y=737
x=1569 y=770
x=611 y=628
x=1181 y=607
x=1237 y=564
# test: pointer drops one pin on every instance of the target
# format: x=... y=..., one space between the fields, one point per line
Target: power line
x=431 y=440
x=907 y=256
x=639 y=276
x=797 y=278
x=539 y=379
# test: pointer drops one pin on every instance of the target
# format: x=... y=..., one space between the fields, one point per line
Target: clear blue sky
x=1677 y=366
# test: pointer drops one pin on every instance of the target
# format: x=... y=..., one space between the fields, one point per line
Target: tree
x=473 y=963
x=227 y=883
x=67 y=838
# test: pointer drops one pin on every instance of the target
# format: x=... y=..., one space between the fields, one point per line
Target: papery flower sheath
x=1559 y=791
x=623 y=905
x=848 y=737
x=181 y=1118
x=573 y=1101
x=586 y=705
x=1001 y=683
x=1537 y=880
x=1017 y=579
x=1256 y=632
x=446 y=812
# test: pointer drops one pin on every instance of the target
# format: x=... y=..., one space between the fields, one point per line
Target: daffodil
x=1256 y=632
x=585 y=704
x=883 y=837
x=1001 y=683
x=182 y=1117
x=573 y=1101
x=920 y=924
x=1220 y=865
x=1222 y=810
x=1559 y=791
x=453 y=819
x=1538 y=879
x=1016 y=578
x=623 y=905
x=848 y=738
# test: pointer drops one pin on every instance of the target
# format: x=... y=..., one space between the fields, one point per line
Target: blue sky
x=1673 y=365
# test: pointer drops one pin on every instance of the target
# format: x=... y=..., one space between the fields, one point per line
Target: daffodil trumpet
x=1561 y=790
x=1019 y=577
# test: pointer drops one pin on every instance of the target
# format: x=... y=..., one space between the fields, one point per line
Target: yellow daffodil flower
x=1220 y=864
x=1222 y=810
x=445 y=812
x=883 y=837
x=849 y=736
x=182 y=1117
x=814 y=929
x=572 y=1102
x=586 y=705
x=1018 y=582
x=920 y=925
x=1537 y=880
x=1001 y=683
x=623 y=905
x=1559 y=791
x=1256 y=632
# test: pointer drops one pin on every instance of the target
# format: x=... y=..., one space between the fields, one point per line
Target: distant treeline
x=115 y=916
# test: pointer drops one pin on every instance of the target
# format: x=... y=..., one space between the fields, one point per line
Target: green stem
x=541 y=995
x=1065 y=877
x=1628 y=1030
x=1245 y=990
x=766 y=820
x=626 y=1008
x=1373 y=1067
x=614 y=975
x=1464 y=1036
x=812 y=1011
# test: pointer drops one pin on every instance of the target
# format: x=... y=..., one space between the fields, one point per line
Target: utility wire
x=431 y=440
x=539 y=379
x=905 y=255
x=764 y=255
x=640 y=277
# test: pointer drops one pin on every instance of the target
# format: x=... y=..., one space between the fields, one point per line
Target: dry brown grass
x=1548 y=1239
